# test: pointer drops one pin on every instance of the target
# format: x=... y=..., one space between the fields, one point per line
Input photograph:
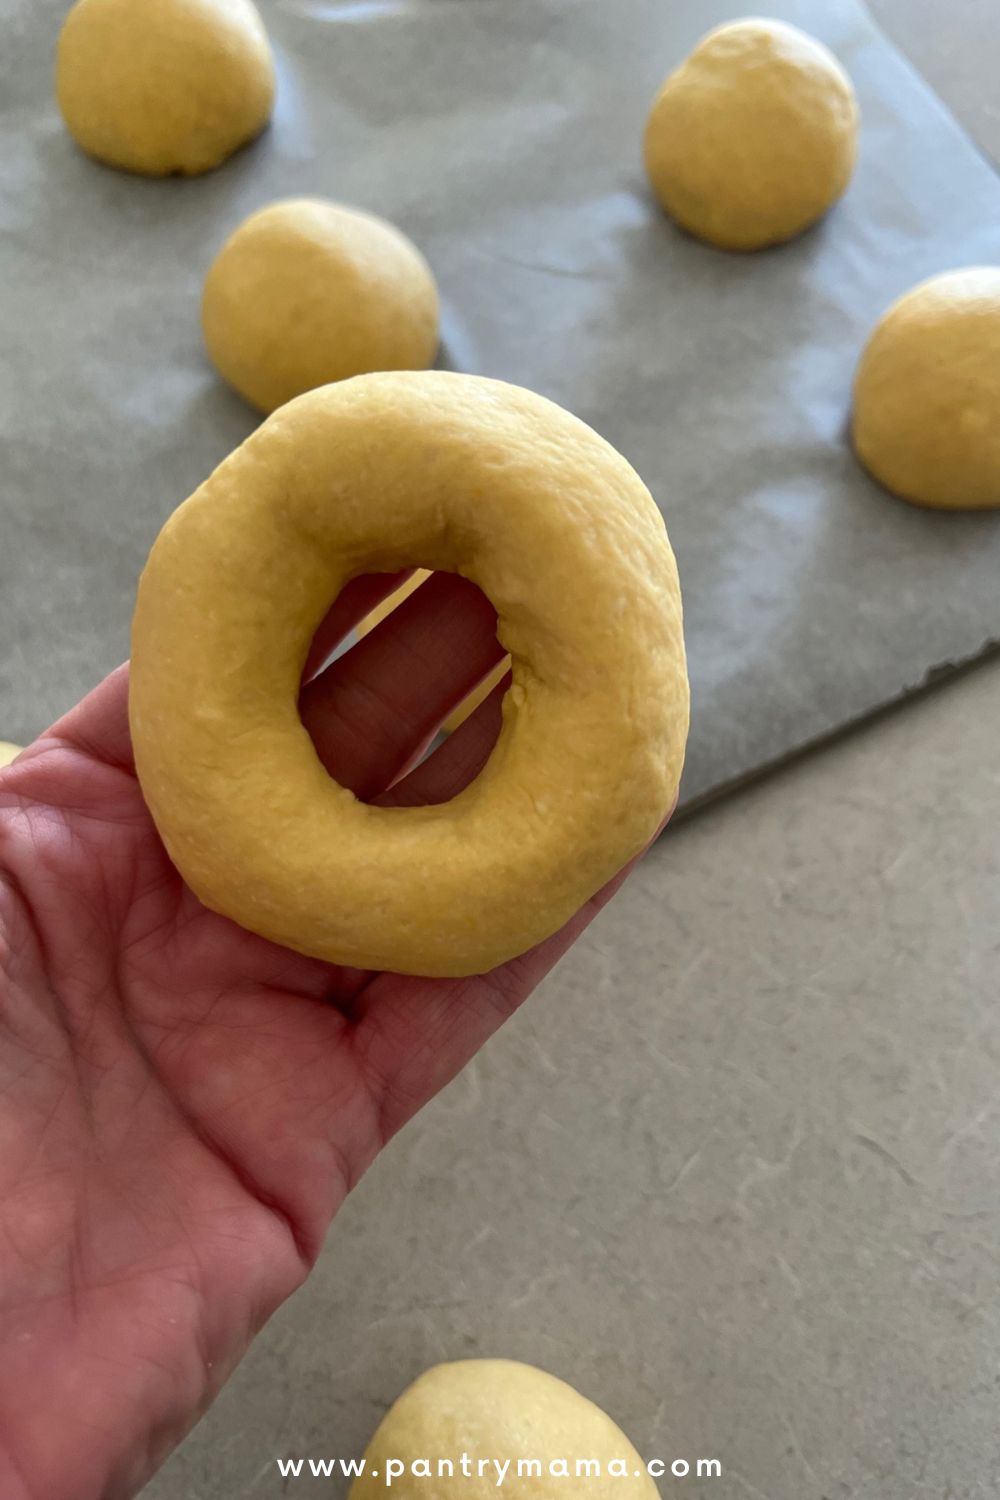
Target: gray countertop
x=735 y=1171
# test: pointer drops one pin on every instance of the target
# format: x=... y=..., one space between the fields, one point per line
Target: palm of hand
x=183 y=1106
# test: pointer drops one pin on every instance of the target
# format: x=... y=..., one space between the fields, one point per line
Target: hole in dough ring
x=372 y=475
x=479 y=694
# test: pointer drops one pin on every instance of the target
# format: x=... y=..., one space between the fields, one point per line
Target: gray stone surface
x=951 y=43
x=734 y=1172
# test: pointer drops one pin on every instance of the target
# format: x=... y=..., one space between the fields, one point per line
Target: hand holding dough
x=163 y=86
x=754 y=136
x=495 y=1410
x=927 y=393
x=306 y=292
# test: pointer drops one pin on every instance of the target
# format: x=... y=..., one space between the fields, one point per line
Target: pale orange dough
x=378 y=474
x=927 y=393
x=164 y=86
x=754 y=136
x=305 y=291
x=497 y=1412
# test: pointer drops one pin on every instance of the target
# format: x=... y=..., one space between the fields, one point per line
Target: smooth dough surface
x=378 y=474
x=8 y=752
x=306 y=292
x=927 y=393
x=164 y=86
x=754 y=136
x=479 y=694
x=496 y=1409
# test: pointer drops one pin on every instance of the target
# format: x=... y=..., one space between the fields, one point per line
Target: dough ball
x=496 y=1409
x=8 y=752
x=479 y=694
x=927 y=393
x=162 y=86
x=754 y=136
x=306 y=292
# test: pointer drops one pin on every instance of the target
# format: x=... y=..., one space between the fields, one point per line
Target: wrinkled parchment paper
x=504 y=136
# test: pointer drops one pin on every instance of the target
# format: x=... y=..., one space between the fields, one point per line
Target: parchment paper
x=504 y=136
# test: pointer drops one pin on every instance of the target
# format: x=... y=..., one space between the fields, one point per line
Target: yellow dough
x=163 y=86
x=8 y=752
x=373 y=475
x=479 y=694
x=498 y=1412
x=927 y=393
x=306 y=292
x=754 y=136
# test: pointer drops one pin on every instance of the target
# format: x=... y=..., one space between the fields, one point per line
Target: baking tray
x=504 y=136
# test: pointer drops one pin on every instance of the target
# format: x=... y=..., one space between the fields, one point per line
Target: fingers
x=455 y=763
x=350 y=607
x=414 y=1035
x=375 y=708
x=391 y=601
x=98 y=724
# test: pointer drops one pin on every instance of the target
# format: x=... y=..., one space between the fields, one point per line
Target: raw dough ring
x=376 y=474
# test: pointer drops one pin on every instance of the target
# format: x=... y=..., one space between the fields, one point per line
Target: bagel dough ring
x=754 y=137
x=377 y=474
x=8 y=752
x=926 y=420
x=498 y=1411
x=164 y=86
x=479 y=694
x=305 y=292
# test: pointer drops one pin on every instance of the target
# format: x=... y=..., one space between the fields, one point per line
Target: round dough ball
x=8 y=752
x=479 y=694
x=495 y=1409
x=162 y=86
x=306 y=292
x=754 y=136
x=927 y=393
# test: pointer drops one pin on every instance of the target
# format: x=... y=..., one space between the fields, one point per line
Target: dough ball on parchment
x=306 y=292
x=164 y=86
x=927 y=393
x=754 y=136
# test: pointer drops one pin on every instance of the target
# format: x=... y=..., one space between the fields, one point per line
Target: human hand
x=183 y=1105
